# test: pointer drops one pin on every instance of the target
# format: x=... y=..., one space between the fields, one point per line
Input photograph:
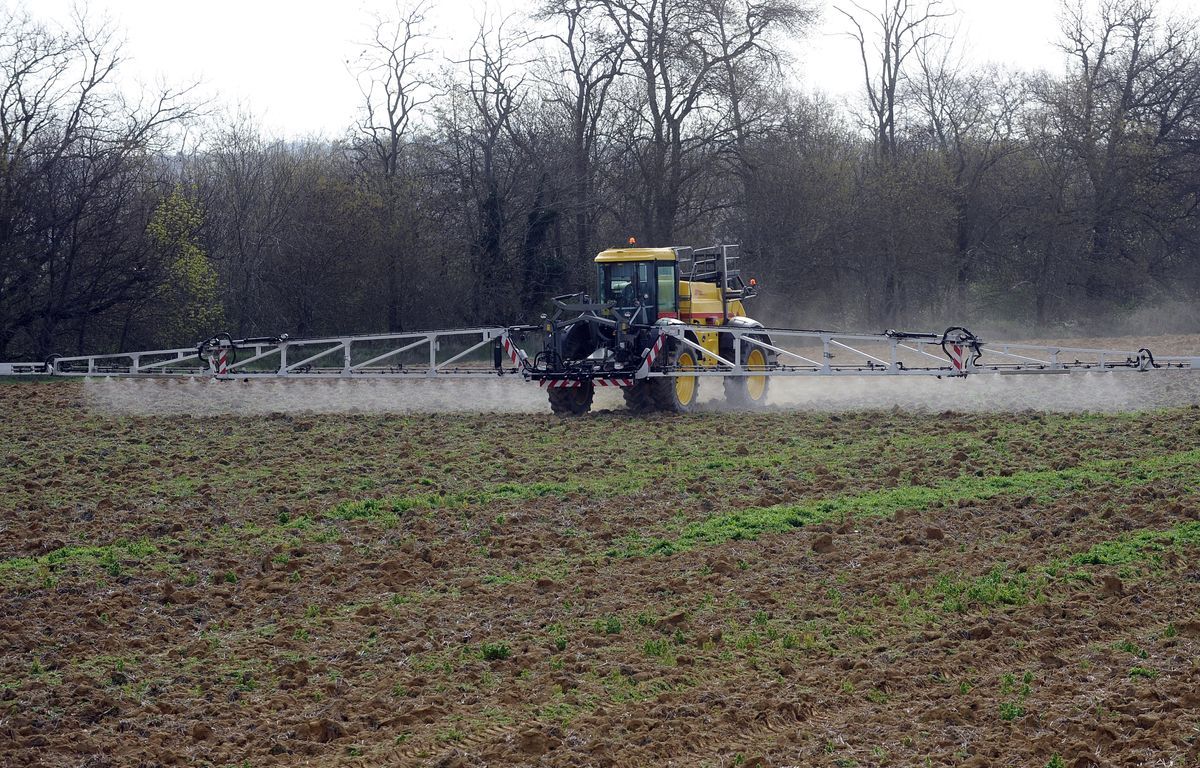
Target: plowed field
x=784 y=588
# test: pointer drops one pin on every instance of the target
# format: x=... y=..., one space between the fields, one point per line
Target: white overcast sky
x=284 y=61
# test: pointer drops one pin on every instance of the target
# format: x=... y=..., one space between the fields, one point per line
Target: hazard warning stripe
x=560 y=383
x=515 y=353
x=958 y=356
x=652 y=353
x=219 y=363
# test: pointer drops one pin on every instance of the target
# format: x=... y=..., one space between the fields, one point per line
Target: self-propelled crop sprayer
x=663 y=321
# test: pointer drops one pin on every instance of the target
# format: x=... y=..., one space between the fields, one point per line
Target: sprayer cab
x=641 y=284
x=700 y=286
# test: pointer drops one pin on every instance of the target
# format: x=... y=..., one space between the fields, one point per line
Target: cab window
x=627 y=284
x=667 y=286
x=615 y=279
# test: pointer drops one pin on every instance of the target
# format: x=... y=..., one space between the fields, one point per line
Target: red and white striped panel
x=559 y=383
x=219 y=363
x=652 y=353
x=515 y=353
x=958 y=356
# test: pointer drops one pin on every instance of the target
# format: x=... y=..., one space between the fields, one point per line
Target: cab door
x=630 y=286
x=667 y=283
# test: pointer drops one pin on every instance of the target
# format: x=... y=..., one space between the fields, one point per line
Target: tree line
x=470 y=189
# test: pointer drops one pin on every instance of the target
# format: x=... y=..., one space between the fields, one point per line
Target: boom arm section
x=568 y=349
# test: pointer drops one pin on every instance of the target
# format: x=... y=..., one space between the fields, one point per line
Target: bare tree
x=679 y=50
x=751 y=90
x=892 y=253
x=480 y=121
x=970 y=116
x=886 y=38
x=250 y=188
x=73 y=153
x=394 y=83
x=584 y=72
x=1128 y=113
x=393 y=79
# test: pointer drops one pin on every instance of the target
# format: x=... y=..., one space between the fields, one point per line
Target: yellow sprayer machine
x=696 y=293
x=663 y=321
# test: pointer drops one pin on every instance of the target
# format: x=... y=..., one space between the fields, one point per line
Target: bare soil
x=783 y=588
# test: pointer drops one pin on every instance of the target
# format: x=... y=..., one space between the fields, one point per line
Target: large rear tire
x=749 y=391
x=572 y=401
x=639 y=398
x=677 y=394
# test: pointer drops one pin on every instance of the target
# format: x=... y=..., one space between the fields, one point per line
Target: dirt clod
x=321 y=730
x=675 y=619
x=723 y=566
x=535 y=742
x=979 y=632
x=1112 y=585
x=823 y=544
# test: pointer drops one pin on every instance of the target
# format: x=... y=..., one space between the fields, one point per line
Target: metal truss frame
x=893 y=354
x=441 y=353
x=457 y=353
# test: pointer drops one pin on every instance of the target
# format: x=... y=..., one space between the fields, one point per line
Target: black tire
x=748 y=392
x=572 y=401
x=677 y=394
x=639 y=398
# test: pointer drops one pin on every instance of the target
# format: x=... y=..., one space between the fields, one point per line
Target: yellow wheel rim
x=756 y=386
x=685 y=386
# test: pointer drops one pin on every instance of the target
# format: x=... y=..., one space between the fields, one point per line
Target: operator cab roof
x=636 y=254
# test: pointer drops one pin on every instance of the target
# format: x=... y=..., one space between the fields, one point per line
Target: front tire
x=639 y=398
x=678 y=394
x=749 y=391
x=572 y=401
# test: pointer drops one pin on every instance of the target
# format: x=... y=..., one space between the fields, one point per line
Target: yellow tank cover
x=636 y=254
x=701 y=303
